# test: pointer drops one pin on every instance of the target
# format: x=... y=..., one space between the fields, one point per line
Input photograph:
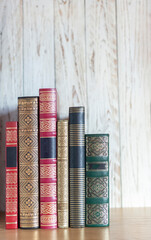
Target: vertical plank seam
x=118 y=80
x=85 y=28
x=54 y=45
x=23 y=82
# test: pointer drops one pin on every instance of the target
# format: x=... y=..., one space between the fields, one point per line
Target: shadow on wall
x=10 y=116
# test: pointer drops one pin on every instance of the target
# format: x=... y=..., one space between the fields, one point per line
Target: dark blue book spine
x=77 y=166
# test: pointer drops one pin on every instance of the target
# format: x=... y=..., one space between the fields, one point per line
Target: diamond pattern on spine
x=28 y=162
x=26 y=157
x=28 y=120
x=97 y=187
x=29 y=140
x=28 y=188
x=28 y=172
x=96 y=146
x=97 y=214
x=28 y=203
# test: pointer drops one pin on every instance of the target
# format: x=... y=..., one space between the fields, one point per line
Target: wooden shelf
x=125 y=224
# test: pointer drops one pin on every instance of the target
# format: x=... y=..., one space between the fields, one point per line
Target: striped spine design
x=77 y=166
x=62 y=169
x=48 y=161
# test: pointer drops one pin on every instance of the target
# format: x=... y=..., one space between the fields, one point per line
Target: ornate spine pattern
x=62 y=169
x=48 y=179
x=28 y=162
x=11 y=175
x=97 y=180
x=77 y=166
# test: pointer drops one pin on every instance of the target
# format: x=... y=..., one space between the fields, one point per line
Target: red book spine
x=48 y=161
x=11 y=175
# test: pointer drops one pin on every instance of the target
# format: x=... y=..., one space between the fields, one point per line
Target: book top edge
x=76 y=109
x=62 y=121
x=11 y=124
x=97 y=135
x=28 y=97
x=47 y=89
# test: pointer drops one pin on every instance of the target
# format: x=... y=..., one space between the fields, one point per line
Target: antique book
x=11 y=175
x=28 y=162
x=97 y=180
x=77 y=166
x=48 y=161
x=62 y=176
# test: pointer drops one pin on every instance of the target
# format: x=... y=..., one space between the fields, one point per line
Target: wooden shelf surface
x=125 y=224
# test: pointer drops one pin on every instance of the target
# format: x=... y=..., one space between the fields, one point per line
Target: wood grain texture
x=70 y=55
x=102 y=83
x=38 y=35
x=134 y=67
x=10 y=74
x=126 y=224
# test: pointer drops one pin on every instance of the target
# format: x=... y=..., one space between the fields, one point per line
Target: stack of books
x=56 y=175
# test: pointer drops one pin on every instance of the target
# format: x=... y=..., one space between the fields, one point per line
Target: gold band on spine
x=28 y=162
x=76 y=109
x=62 y=170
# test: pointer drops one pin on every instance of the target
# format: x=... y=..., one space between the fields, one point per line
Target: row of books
x=54 y=170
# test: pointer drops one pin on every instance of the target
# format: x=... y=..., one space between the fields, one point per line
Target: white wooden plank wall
x=70 y=55
x=11 y=72
x=102 y=83
x=134 y=68
x=97 y=53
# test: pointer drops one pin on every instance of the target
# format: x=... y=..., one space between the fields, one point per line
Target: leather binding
x=48 y=179
x=11 y=175
x=77 y=166
x=97 y=180
x=62 y=176
x=28 y=162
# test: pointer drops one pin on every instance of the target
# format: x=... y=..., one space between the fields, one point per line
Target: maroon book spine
x=11 y=175
x=48 y=161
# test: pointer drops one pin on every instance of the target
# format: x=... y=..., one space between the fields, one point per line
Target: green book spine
x=97 y=180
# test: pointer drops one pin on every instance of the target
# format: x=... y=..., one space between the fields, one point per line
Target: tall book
x=77 y=166
x=97 y=180
x=62 y=176
x=48 y=161
x=28 y=162
x=11 y=175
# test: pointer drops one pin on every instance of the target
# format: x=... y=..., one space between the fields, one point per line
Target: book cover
x=62 y=176
x=11 y=175
x=77 y=166
x=28 y=162
x=97 y=180
x=48 y=161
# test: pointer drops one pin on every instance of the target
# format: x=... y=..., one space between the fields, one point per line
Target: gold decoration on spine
x=28 y=162
x=62 y=170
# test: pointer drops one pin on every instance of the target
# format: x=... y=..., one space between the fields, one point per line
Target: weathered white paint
x=70 y=55
x=134 y=67
x=11 y=84
x=102 y=83
x=38 y=42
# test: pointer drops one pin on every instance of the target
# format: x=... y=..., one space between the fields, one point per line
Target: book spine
x=11 y=175
x=48 y=161
x=77 y=166
x=28 y=162
x=62 y=176
x=97 y=180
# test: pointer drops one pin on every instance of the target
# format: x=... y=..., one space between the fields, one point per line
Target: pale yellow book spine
x=62 y=171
